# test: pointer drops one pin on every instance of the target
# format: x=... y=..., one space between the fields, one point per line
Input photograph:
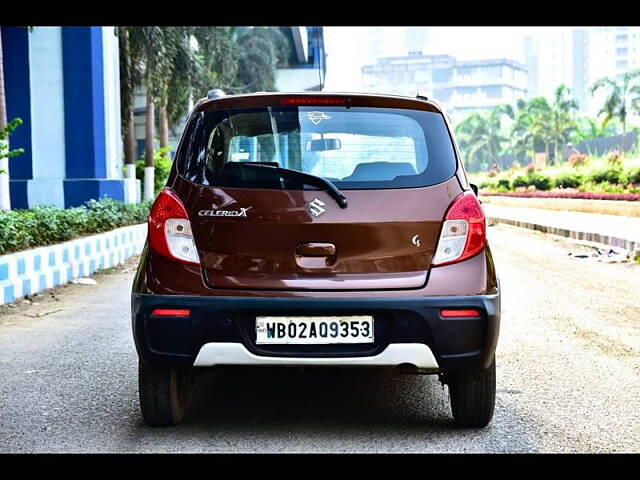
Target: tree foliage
x=531 y=125
x=621 y=97
x=480 y=138
x=5 y=151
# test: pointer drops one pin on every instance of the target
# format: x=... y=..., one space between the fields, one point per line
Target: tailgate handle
x=316 y=249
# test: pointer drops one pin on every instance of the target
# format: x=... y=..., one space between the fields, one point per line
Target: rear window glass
x=355 y=148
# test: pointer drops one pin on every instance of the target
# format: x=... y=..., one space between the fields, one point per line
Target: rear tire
x=473 y=396
x=163 y=394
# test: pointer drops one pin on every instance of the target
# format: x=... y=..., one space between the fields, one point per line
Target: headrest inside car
x=380 y=171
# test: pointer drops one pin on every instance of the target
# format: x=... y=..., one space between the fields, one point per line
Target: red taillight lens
x=311 y=100
x=169 y=229
x=170 y=312
x=459 y=313
x=463 y=232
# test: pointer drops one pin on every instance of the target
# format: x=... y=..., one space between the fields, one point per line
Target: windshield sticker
x=317 y=117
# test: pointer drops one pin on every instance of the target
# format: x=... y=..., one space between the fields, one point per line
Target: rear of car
x=317 y=229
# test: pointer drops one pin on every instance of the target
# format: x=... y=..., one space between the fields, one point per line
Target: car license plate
x=314 y=330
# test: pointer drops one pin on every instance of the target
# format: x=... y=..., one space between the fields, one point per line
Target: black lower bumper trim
x=457 y=343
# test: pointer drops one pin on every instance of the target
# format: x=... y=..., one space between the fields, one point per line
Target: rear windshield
x=355 y=148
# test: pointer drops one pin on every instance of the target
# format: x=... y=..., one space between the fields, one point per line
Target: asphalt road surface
x=568 y=364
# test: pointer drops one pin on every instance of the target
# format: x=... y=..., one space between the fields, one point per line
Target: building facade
x=577 y=58
x=63 y=82
x=613 y=52
x=461 y=86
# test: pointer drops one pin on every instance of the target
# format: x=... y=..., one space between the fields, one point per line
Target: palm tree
x=563 y=122
x=620 y=97
x=149 y=46
x=590 y=128
x=216 y=56
x=260 y=50
x=131 y=71
x=180 y=86
x=481 y=139
x=532 y=126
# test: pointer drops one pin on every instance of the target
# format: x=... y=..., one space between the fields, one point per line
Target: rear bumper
x=221 y=331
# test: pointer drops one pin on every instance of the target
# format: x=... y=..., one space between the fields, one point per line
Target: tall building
x=64 y=83
x=416 y=39
x=461 y=86
x=613 y=51
x=578 y=57
x=549 y=55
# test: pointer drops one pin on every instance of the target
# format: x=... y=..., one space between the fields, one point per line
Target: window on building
x=493 y=91
x=493 y=71
x=621 y=38
x=621 y=51
x=465 y=71
x=441 y=75
x=621 y=64
x=443 y=94
x=422 y=76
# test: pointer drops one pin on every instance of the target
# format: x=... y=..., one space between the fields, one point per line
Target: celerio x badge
x=225 y=213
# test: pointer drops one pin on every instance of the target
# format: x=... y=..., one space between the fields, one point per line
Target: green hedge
x=605 y=175
x=632 y=176
x=568 y=180
x=40 y=226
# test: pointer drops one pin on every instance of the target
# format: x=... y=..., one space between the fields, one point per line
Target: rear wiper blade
x=305 y=178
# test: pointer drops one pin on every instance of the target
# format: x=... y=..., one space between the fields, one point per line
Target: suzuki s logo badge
x=416 y=240
x=317 y=117
x=315 y=207
x=225 y=213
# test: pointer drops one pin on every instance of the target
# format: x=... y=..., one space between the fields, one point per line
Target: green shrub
x=631 y=176
x=40 y=226
x=520 y=181
x=540 y=181
x=162 y=163
x=504 y=183
x=568 y=180
x=605 y=175
x=488 y=183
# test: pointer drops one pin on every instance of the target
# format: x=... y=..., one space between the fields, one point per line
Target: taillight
x=463 y=231
x=169 y=229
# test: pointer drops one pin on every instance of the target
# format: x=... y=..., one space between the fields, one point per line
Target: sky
x=347 y=47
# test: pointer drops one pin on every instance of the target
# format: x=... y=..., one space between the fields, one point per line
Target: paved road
x=568 y=376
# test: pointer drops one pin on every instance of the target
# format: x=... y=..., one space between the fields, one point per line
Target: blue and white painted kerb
x=30 y=271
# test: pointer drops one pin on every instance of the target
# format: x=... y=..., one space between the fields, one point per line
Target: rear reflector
x=314 y=101
x=459 y=313
x=170 y=312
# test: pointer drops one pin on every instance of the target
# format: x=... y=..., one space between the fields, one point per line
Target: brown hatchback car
x=317 y=229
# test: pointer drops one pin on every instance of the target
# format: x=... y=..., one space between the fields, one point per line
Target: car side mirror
x=474 y=187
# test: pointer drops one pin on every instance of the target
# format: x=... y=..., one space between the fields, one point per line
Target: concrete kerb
x=631 y=246
x=30 y=271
